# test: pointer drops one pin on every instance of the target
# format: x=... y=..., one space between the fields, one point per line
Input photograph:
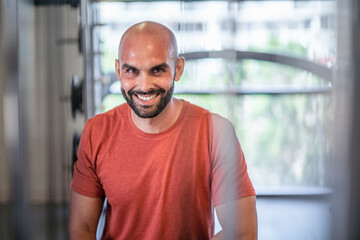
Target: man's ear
x=117 y=68
x=179 y=69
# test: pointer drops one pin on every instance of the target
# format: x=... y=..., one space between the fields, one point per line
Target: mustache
x=151 y=91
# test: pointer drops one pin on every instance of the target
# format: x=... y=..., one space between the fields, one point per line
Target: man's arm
x=238 y=219
x=84 y=214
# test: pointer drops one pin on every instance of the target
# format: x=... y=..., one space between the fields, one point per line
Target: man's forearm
x=238 y=219
x=84 y=214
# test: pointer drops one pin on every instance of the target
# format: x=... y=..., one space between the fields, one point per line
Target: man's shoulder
x=108 y=118
x=194 y=110
x=217 y=123
x=215 y=118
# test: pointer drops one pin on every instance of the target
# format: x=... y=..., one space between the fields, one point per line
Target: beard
x=149 y=111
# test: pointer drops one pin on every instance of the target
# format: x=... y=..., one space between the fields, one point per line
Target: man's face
x=147 y=71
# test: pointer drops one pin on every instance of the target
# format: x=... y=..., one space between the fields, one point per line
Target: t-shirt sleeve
x=85 y=180
x=229 y=176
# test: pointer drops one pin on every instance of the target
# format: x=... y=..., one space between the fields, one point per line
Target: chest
x=155 y=170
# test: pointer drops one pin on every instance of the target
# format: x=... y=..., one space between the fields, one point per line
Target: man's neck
x=161 y=122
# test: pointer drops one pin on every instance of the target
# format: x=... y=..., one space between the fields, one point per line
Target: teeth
x=146 y=98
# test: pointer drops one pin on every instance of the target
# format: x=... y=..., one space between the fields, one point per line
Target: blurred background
x=286 y=73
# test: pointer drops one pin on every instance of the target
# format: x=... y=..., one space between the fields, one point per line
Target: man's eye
x=157 y=70
x=131 y=70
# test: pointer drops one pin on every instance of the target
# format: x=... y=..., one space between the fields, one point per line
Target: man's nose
x=145 y=83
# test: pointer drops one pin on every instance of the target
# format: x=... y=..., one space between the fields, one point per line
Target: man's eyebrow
x=162 y=65
x=125 y=65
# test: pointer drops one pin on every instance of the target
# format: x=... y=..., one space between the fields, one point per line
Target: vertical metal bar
x=14 y=118
x=338 y=170
x=354 y=208
x=89 y=103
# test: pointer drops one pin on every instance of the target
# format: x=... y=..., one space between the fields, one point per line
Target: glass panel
x=303 y=29
x=220 y=74
x=254 y=73
x=283 y=136
x=204 y=74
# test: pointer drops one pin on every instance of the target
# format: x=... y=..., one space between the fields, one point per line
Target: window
x=265 y=67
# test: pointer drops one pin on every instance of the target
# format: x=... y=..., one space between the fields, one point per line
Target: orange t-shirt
x=165 y=185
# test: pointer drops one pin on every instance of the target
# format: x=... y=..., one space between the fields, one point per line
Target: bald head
x=150 y=30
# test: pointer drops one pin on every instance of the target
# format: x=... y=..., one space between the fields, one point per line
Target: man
x=162 y=163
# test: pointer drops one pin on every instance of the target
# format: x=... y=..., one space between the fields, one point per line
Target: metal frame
x=14 y=110
x=354 y=208
x=85 y=24
x=319 y=70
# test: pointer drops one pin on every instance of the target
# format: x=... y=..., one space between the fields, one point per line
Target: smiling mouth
x=146 y=97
